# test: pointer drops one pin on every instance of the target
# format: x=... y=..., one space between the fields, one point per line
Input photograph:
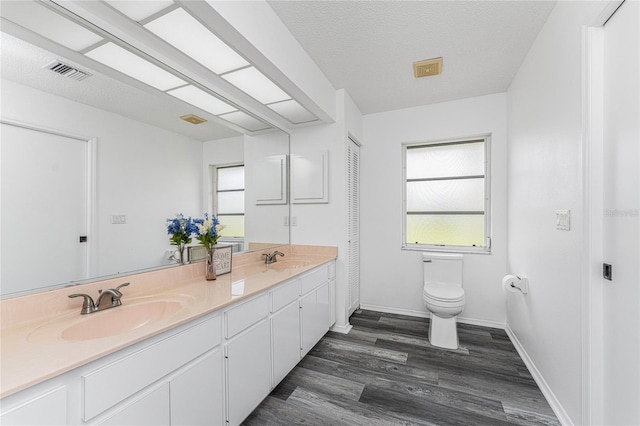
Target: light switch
x=563 y=220
x=118 y=219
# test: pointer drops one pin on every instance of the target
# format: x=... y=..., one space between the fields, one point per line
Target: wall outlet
x=118 y=219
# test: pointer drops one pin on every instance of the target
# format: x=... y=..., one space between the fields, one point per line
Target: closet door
x=353 y=184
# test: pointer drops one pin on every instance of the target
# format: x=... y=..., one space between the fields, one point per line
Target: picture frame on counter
x=222 y=258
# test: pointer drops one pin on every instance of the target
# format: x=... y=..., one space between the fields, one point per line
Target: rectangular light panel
x=245 y=121
x=187 y=34
x=293 y=111
x=49 y=24
x=257 y=85
x=134 y=66
x=201 y=99
x=140 y=10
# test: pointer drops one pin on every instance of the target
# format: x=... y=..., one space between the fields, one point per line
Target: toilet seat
x=440 y=292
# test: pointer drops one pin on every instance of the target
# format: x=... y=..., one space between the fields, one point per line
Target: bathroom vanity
x=209 y=353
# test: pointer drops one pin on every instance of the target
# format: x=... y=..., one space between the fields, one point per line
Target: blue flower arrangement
x=207 y=230
x=180 y=229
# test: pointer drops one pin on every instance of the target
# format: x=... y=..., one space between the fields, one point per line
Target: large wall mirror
x=105 y=160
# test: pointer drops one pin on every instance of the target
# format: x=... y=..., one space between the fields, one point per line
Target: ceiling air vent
x=67 y=70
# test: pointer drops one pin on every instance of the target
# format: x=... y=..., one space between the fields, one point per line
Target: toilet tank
x=445 y=268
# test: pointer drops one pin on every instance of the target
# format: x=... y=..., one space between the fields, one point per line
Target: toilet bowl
x=443 y=296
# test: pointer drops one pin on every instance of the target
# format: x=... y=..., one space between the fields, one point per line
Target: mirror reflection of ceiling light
x=293 y=111
x=244 y=120
x=187 y=34
x=256 y=85
x=140 y=10
x=201 y=99
x=49 y=24
x=132 y=65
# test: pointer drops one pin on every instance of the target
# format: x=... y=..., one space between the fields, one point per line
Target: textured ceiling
x=368 y=47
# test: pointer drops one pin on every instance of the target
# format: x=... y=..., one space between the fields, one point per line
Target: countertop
x=33 y=351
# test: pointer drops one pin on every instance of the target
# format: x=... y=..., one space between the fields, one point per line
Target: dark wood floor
x=385 y=372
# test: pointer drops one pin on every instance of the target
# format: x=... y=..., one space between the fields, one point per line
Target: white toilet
x=443 y=296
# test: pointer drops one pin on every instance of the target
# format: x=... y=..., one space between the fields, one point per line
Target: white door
x=41 y=231
x=621 y=162
x=353 y=193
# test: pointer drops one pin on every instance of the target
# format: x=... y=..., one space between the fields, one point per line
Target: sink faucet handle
x=122 y=285
x=87 y=305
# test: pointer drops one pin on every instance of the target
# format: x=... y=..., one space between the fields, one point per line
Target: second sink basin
x=288 y=264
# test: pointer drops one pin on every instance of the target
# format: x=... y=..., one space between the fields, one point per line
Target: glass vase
x=209 y=264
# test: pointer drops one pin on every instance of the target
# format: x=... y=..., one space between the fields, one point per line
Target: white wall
x=326 y=224
x=545 y=174
x=391 y=278
x=263 y=223
x=148 y=174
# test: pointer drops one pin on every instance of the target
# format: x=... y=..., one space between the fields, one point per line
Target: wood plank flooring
x=385 y=372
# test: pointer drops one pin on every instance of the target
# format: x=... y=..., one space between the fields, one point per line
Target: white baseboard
x=344 y=329
x=425 y=314
x=557 y=408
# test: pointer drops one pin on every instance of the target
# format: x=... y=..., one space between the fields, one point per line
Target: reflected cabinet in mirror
x=90 y=173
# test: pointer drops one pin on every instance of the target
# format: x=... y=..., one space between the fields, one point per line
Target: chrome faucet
x=271 y=257
x=109 y=298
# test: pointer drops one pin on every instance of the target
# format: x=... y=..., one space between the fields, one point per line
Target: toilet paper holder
x=513 y=283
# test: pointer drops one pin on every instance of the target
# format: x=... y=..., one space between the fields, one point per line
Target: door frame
x=593 y=208
x=91 y=265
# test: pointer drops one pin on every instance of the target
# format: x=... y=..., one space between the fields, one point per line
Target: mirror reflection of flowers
x=180 y=229
x=208 y=230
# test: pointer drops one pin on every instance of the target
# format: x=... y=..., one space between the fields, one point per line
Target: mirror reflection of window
x=229 y=200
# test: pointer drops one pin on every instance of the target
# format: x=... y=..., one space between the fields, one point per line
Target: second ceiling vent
x=427 y=68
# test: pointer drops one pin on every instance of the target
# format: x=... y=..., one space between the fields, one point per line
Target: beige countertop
x=33 y=348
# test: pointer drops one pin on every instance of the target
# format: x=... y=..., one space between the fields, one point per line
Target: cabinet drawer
x=113 y=382
x=314 y=279
x=284 y=295
x=243 y=316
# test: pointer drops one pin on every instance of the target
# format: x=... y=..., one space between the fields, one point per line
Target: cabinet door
x=249 y=371
x=315 y=316
x=285 y=332
x=196 y=394
x=47 y=409
x=151 y=409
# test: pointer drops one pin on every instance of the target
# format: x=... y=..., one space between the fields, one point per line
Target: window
x=229 y=199
x=446 y=195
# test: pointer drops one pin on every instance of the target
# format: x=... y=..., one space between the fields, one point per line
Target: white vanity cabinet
x=46 y=407
x=314 y=307
x=213 y=370
x=248 y=357
x=285 y=329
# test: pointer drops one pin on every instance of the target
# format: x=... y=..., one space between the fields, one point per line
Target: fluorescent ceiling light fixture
x=134 y=66
x=245 y=121
x=257 y=85
x=187 y=34
x=293 y=111
x=49 y=24
x=201 y=99
x=140 y=10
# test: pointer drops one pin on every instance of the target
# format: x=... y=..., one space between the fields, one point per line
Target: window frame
x=214 y=198
x=486 y=247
